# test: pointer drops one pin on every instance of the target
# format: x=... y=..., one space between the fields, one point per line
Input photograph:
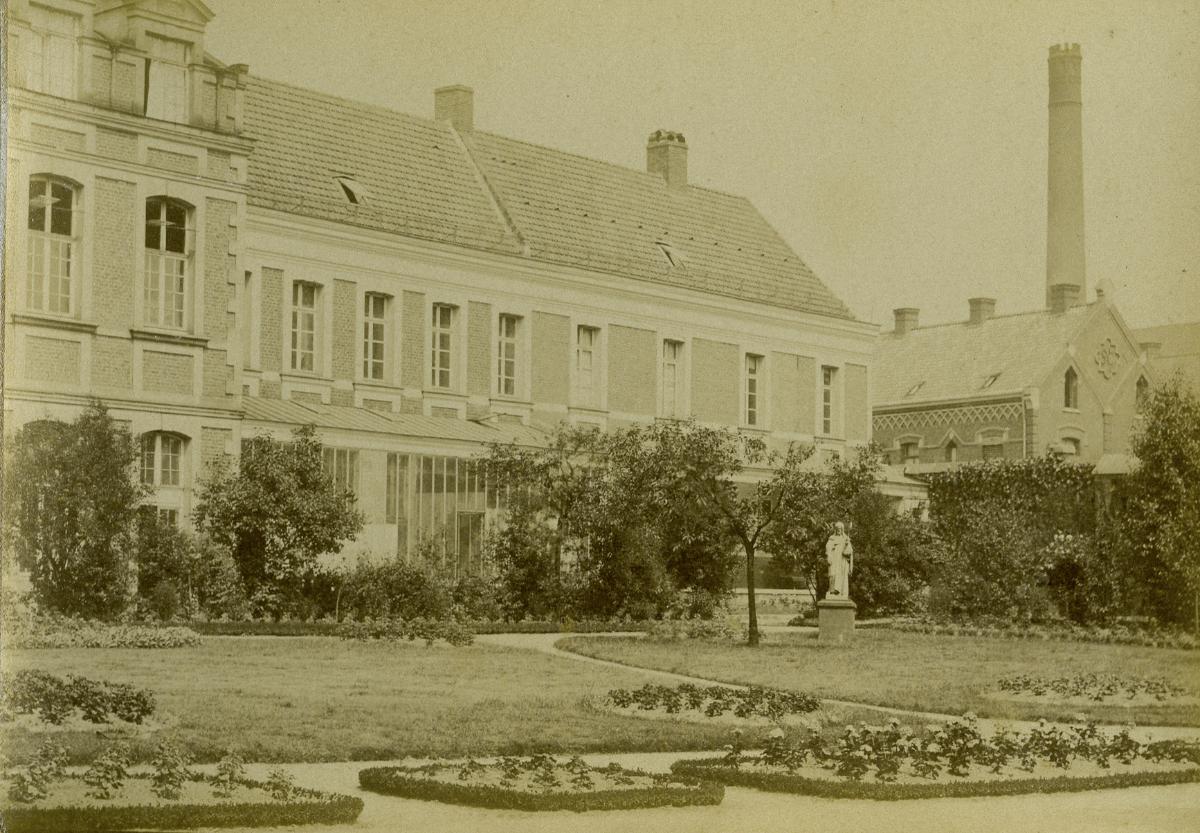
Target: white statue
x=840 y=555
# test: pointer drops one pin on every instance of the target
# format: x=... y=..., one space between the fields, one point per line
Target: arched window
x=1071 y=389
x=162 y=459
x=1071 y=446
x=952 y=452
x=1142 y=395
x=53 y=250
x=169 y=247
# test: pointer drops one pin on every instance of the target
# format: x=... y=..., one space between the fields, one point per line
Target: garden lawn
x=916 y=671
x=307 y=699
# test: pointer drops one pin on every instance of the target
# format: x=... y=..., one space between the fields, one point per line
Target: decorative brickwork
x=219 y=239
x=305 y=396
x=444 y=413
x=551 y=348
x=115 y=144
x=341 y=397
x=219 y=166
x=479 y=349
x=347 y=348
x=167 y=372
x=988 y=412
x=114 y=253
x=268 y=389
x=377 y=405
x=51 y=360
x=412 y=333
x=716 y=388
x=112 y=364
x=272 y=309
x=178 y=162
x=43 y=134
x=632 y=370
x=216 y=373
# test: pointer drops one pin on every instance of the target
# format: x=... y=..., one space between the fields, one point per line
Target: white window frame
x=298 y=310
x=45 y=248
x=508 y=357
x=167 y=79
x=676 y=406
x=592 y=394
x=443 y=342
x=376 y=326
x=1070 y=389
x=167 y=274
x=341 y=465
x=52 y=56
x=828 y=399
x=754 y=390
x=152 y=461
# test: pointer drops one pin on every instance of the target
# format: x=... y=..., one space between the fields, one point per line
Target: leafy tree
x=1160 y=519
x=276 y=513
x=71 y=501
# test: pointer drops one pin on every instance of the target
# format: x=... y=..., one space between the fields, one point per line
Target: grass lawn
x=325 y=699
x=916 y=671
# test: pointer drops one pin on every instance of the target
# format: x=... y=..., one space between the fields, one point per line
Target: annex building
x=216 y=255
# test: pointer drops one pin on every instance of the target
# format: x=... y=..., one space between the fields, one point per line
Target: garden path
x=548 y=643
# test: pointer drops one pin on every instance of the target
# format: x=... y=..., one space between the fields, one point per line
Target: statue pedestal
x=835 y=620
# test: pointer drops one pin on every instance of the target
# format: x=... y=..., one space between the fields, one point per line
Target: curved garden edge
x=313 y=808
x=714 y=768
x=390 y=781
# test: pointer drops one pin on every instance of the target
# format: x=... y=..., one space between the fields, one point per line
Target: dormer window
x=989 y=381
x=674 y=256
x=50 y=59
x=354 y=190
x=166 y=94
x=914 y=389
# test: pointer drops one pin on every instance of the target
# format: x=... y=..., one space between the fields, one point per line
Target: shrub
x=107 y=774
x=54 y=699
x=723 y=629
x=231 y=770
x=714 y=701
x=393 y=589
x=26 y=628
x=396 y=630
x=1094 y=686
x=170 y=770
x=280 y=784
x=33 y=781
x=995 y=628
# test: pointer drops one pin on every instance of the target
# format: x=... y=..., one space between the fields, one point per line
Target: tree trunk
x=752 y=637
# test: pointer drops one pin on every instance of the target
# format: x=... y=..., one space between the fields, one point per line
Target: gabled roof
x=953 y=361
x=487 y=192
x=1179 y=351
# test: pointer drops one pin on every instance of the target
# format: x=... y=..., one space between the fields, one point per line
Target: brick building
x=216 y=255
x=1068 y=378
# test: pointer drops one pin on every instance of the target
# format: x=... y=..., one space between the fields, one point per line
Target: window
x=910 y=453
x=993 y=450
x=442 y=353
x=672 y=379
x=1142 y=395
x=51 y=57
x=304 y=326
x=674 y=256
x=162 y=459
x=914 y=389
x=989 y=381
x=1071 y=447
x=828 y=378
x=506 y=355
x=1070 y=389
x=168 y=263
x=167 y=80
x=754 y=366
x=587 y=342
x=951 y=452
x=52 y=250
x=397 y=486
x=374 y=334
x=341 y=467
x=354 y=190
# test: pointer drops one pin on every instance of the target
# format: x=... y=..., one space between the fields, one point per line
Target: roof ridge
x=379 y=108
x=993 y=318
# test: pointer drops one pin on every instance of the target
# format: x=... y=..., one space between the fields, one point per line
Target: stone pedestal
x=835 y=620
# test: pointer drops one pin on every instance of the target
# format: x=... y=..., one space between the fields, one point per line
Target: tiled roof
x=344 y=418
x=955 y=360
x=487 y=192
x=1179 y=353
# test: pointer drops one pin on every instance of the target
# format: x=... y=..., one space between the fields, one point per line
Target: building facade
x=216 y=255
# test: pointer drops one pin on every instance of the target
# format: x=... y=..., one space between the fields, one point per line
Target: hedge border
x=397 y=781
x=877 y=791
x=314 y=807
x=323 y=628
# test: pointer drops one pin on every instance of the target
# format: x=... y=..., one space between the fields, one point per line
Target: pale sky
x=900 y=148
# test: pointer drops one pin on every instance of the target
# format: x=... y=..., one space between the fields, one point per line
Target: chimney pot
x=455 y=104
x=906 y=319
x=981 y=309
x=1063 y=296
x=666 y=155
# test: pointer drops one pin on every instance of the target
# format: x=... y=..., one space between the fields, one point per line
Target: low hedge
x=1064 y=632
x=260 y=628
x=328 y=628
x=308 y=807
x=716 y=769
x=38 y=630
x=681 y=792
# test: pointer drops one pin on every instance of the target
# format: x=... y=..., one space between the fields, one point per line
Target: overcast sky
x=900 y=148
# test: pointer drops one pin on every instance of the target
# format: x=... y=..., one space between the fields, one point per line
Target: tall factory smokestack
x=1064 y=191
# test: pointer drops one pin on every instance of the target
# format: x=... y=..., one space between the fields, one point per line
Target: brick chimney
x=1063 y=296
x=455 y=104
x=1064 y=181
x=981 y=309
x=906 y=319
x=666 y=155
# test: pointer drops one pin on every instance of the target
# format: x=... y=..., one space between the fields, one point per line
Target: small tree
x=71 y=501
x=277 y=512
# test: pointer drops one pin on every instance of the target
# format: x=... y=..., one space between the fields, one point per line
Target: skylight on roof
x=354 y=190
x=989 y=381
x=914 y=388
x=674 y=256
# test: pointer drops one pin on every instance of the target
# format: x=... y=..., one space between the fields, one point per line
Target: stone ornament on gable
x=1107 y=358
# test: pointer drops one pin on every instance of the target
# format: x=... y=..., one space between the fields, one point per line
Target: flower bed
x=249 y=804
x=54 y=699
x=1095 y=687
x=715 y=701
x=397 y=630
x=540 y=782
x=324 y=627
x=40 y=630
x=1116 y=635
x=902 y=765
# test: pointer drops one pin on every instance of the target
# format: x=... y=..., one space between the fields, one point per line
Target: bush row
x=666 y=791
x=1116 y=635
x=29 y=629
x=1094 y=686
x=328 y=627
x=714 y=701
x=396 y=630
x=54 y=699
x=716 y=769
